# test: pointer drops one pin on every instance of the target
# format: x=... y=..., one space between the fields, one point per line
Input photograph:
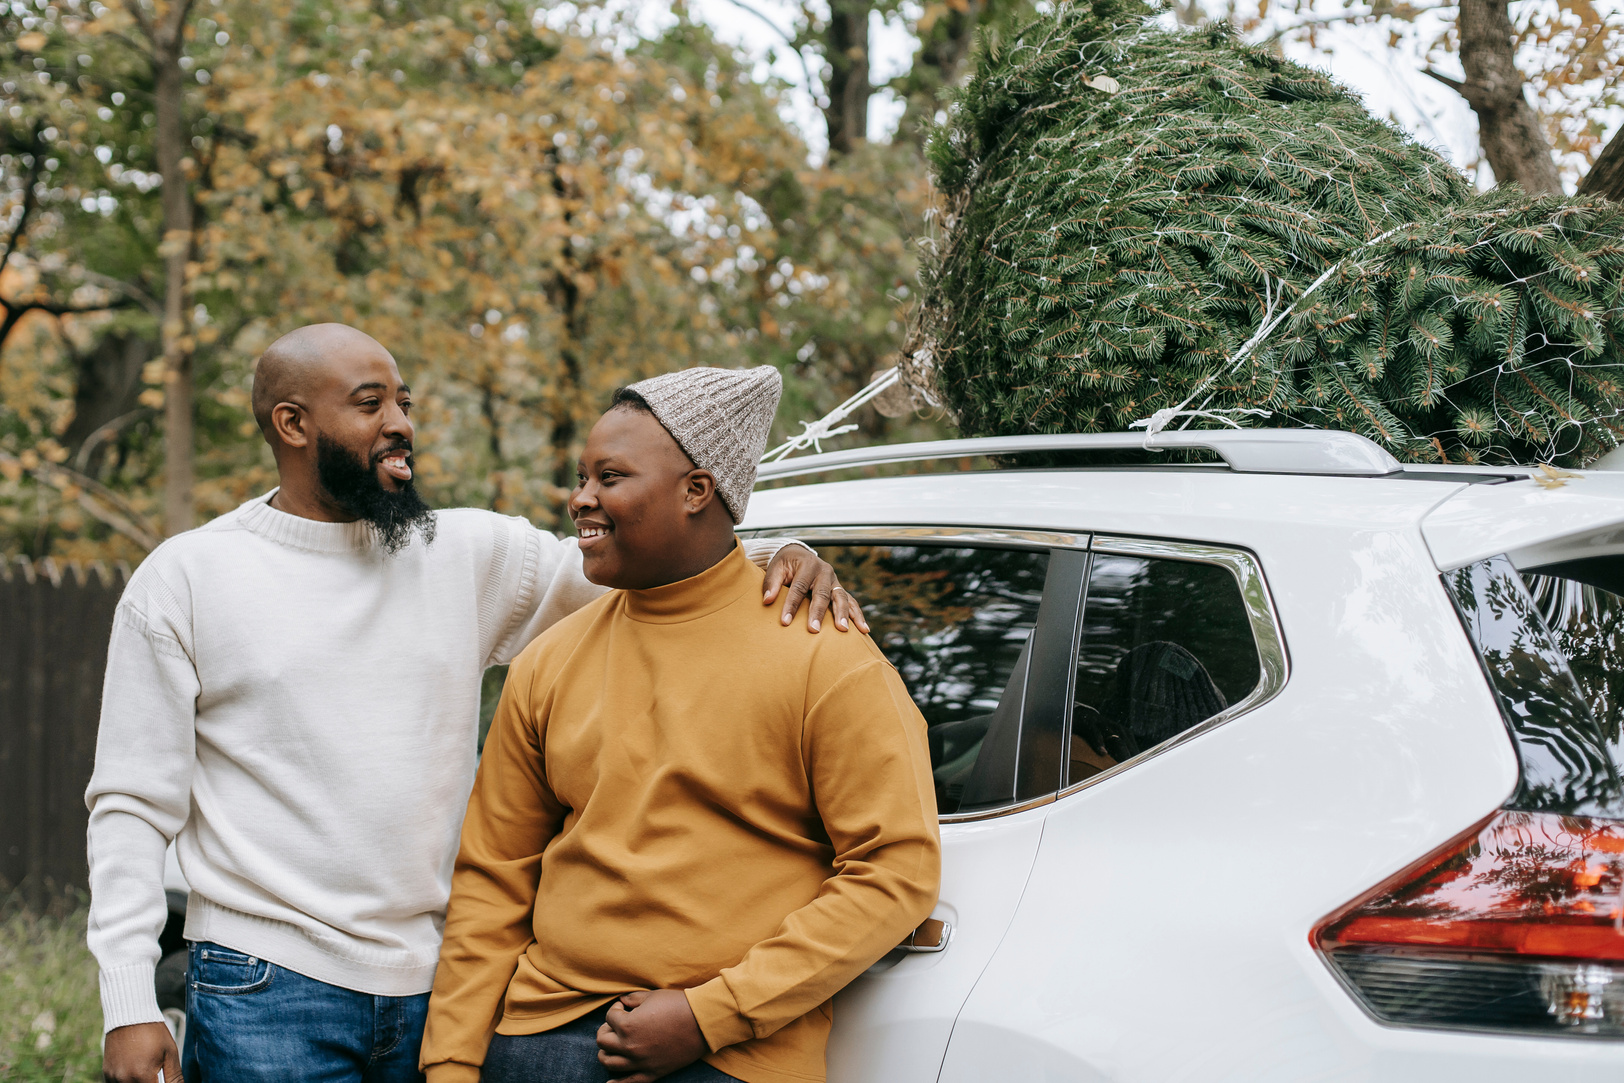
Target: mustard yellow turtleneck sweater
x=679 y=793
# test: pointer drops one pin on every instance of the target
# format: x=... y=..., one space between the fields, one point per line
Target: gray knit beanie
x=721 y=418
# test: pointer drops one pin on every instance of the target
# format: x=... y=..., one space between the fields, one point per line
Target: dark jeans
x=568 y=1054
x=249 y=1021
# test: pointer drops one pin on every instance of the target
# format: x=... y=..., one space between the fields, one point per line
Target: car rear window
x=1551 y=648
x=957 y=623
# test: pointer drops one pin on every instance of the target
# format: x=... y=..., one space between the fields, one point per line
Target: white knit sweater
x=298 y=710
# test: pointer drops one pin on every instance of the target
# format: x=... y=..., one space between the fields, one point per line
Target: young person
x=687 y=833
x=292 y=696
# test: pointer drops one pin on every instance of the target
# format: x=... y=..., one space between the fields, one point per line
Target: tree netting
x=1141 y=219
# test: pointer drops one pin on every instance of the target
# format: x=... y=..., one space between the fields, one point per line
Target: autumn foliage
x=528 y=209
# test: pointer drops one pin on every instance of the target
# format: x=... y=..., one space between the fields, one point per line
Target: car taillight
x=1515 y=926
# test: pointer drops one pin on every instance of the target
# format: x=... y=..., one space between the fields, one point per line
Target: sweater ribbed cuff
x=451 y=1072
x=129 y=996
x=717 y=1013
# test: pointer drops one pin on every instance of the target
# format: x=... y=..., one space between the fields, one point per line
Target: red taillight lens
x=1518 y=925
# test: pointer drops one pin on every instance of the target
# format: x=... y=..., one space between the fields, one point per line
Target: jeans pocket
x=220 y=970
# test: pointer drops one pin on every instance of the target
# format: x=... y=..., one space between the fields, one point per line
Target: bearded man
x=292 y=696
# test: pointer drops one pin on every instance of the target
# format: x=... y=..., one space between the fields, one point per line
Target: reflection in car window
x=1165 y=644
x=956 y=623
x=1587 y=620
x=1569 y=765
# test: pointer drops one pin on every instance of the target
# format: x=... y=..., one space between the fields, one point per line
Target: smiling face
x=331 y=403
x=645 y=515
x=360 y=404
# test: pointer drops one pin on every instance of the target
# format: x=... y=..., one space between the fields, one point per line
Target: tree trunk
x=169 y=43
x=1508 y=128
x=846 y=49
x=105 y=397
x=943 y=49
x=1606 y=177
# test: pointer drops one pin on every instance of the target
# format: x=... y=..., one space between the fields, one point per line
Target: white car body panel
x=1579 y=514
x=896 y=1020
x=1164 y=931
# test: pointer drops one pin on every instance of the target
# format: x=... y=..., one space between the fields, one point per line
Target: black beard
x=353 y=485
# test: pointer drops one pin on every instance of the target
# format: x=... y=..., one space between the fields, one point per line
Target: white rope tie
x=826 y=426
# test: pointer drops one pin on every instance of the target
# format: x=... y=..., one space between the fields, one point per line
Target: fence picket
x=54 y=629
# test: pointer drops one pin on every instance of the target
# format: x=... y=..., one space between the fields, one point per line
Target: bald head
x=295 y=364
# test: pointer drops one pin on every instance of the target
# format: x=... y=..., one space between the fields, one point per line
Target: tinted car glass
x=957 y=623
x=1569 y=761
x=1166 y=644
x=1582 y=602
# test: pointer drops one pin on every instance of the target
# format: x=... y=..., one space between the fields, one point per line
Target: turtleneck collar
x=712 y=590
x=300 y=533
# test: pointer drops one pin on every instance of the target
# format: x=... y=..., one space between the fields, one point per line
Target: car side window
x=1165 y=645
x=957 y=623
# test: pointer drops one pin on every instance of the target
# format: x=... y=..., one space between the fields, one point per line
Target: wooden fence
x=54 y=625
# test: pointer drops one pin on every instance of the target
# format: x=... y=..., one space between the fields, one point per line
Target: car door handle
x=932 y=935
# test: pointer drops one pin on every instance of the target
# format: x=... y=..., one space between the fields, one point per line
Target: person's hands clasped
x=136 y=1054
x=809 y=576
x=649 y=1035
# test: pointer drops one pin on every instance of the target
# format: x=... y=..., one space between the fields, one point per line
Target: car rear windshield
x=1552 y=644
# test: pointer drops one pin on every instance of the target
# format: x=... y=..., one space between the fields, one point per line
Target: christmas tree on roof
x=1142 y=220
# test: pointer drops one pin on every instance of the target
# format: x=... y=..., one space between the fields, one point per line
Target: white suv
x=1298 y=765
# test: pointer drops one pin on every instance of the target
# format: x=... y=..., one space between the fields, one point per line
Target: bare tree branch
x=806 y=69
x=94 y=497
x=141 y=20
x=1453 y=84
x=1351 y=17
x=36 y=159
x=106 y=432
x=128 y=289
x=14 y=311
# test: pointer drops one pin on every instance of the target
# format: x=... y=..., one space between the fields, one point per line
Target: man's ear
x=699 y=491
x=288 y=423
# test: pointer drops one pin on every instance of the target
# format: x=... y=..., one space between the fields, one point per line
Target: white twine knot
x=1155 y=423
x=825 y=427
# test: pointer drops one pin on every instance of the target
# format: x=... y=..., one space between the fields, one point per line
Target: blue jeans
x=250 y=1021
x=568 y=1054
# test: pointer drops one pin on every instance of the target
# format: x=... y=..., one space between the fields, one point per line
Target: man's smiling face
x=632 y=502
x=361 y=405
x=359 y=409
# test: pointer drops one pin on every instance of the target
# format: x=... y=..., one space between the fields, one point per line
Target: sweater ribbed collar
x=300 y=533
x=712 y=590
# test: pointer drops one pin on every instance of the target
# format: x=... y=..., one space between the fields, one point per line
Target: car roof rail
x=1247 y=451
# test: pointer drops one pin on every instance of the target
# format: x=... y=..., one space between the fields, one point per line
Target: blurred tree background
x=533 y=203
x=529 y=205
